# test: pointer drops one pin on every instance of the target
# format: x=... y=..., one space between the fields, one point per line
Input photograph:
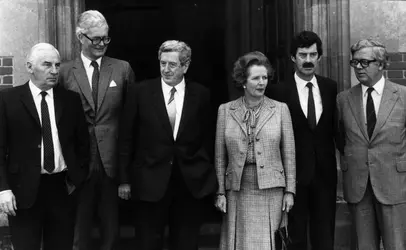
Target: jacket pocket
x=344 y=163
x=229 y=179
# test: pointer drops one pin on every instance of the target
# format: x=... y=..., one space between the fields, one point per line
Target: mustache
x=308 y=65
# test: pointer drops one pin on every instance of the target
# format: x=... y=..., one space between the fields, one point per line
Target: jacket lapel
x=237 y=112
x=82 y=81
x=389 y=97
x=58 y=104
x=355 y=101
x=28 y=101
x=189 y=104
x=158 y=101
x=323 y=96
x=268 y=109
x=105 y=75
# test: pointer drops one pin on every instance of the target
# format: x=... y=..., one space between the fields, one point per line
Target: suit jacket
x=105 y=123
x=274 y=146
x=148 y=150
x=315 y=150
x=20 y=141
x=383 y=157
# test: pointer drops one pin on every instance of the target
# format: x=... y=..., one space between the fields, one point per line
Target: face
x=370 y=75
x=306 y=61
x=256 y=82
x=44 y=69
x=91 y=51
x=172 y=71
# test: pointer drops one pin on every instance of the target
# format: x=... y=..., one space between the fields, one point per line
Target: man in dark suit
x=372 y=118
x=44 y=149
x=102 y=83
x=310 y=99
x=166 y=147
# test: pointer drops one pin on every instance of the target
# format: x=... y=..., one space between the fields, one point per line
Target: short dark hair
x=243 y=63
x=305 y=39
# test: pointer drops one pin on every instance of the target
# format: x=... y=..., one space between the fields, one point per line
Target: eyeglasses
x=96 y=40
x=364 y=63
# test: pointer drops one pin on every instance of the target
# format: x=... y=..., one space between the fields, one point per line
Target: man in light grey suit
x=102 y=83
x=372 y=118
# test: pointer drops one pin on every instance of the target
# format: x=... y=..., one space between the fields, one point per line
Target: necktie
x=371 y=116
x=311 y=110
x=172 y=108
x=95 y=82
x=49 y=164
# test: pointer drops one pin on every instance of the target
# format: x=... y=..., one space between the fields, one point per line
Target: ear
x=80 y=37
x=29 y=67
x=293 y=59
x=185 y=67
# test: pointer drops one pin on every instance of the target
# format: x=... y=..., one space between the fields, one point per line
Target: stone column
x=330 y=20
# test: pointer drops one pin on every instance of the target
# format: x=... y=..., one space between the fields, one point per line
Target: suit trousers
x=98 y=196
x=374 y=220
x=178 y=210
x=49 y=221
x=313 y=215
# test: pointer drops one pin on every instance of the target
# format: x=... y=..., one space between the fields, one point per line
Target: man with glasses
x=372 y=118
x=102 y=83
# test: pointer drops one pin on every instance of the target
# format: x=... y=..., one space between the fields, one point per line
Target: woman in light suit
x=254 y=160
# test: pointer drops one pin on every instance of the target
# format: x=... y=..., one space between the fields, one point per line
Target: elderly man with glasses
x=372 y=118
x=102 y=83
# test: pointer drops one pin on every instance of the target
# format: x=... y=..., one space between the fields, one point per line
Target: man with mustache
x=44 y=153
x=102 y=83
x=310 y=99
x=372 y=118
x=166 y=153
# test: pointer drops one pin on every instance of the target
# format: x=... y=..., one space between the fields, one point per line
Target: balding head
x=43 y=62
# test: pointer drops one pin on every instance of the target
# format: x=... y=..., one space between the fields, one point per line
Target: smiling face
x=373 y=73
x=306 y=61
x=90 y=50
x=44 y=68
x=172 y=71
x=256 y=83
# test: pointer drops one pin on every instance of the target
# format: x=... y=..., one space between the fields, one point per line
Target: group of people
x=79 y=136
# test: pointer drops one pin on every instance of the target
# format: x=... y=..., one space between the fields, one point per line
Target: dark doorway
x=218 y=31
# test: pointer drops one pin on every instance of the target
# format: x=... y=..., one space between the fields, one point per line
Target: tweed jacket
x=274 y=146
x=382 y=158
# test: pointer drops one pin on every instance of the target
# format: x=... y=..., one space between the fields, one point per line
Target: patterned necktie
x=49 y=163
x=371 y=115
x=95 y=82
x=172 y=108
x=311 y=111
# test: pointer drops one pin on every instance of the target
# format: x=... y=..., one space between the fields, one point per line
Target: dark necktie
x=371 y=115
x=311 y=110
x=172 y=108
x=95 y=82
x=49 y=163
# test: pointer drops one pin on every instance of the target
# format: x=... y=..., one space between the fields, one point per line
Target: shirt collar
x=378 y=87
x=180 y=87
x=302 y=83
x=86 y=61
x=35 y=91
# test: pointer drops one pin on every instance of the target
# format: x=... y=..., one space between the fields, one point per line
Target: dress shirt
x=179 y=97
x=49 y=98
x=376 y=96
x=89 y=68
x=303 y=92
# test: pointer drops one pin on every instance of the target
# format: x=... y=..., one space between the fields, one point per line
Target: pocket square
x=113 y=84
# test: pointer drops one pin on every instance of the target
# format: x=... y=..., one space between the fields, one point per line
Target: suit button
x=259 y=152
x=241 y=153
x=170 y=162
x=39 y=146
x=257 y=139
x=262 y=166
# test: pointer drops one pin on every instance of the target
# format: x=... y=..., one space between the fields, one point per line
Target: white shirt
x=89 y=68
x=376 y=95
x=49 y=98
x=179 y=97
x=303 y=92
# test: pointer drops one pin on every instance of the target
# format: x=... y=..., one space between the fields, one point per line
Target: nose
x=54 y=70
x=307 y=58
x=166 y=68
x=101 y=43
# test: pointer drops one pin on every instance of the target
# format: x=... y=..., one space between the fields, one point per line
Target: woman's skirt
x=253 y=215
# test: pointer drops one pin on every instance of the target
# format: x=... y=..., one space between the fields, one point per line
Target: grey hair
x=185 y=52
x=378 y=49
x=37 y=48
x=90 y=19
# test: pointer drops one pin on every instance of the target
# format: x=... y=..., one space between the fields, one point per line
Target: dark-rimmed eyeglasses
x=96 y=40
x=364 y=63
